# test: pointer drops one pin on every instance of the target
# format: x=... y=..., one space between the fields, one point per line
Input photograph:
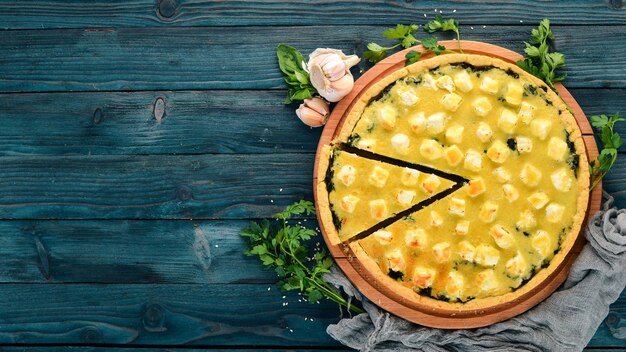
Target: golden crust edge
x=323 y=202
x=569 y=122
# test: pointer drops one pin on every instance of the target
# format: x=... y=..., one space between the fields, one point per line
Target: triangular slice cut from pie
x=366 y=191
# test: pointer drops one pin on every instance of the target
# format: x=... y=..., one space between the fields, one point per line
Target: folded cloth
x=565 y=321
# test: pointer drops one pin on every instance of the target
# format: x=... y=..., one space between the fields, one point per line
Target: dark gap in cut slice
x=397 y=162
x=407 y=212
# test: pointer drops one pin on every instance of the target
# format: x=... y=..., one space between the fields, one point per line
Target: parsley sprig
x=439 y=24
x=404 y=35
x=293 y=66
x=282 y=246
x=611 y=141
x=539 y=61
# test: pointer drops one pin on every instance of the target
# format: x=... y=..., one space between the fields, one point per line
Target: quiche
x=459 y=182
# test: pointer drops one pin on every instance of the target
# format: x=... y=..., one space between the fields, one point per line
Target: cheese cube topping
x=526 y=112
x=489 y=85
x=378 y=209
x=409 y=177
x=383 y=237
x=530 y=175
x=387 y=116
x=405 y=197
x=542 y=243
x=454 y=133
x=462 y=227
x=488 y=212
x=435 y=219
x=561 y=180
x=486 y=255
x=526 y=220
x=501 y=175
x=466 y=251
x=453 y=155
x=498 y=152
x=524 y=144
x=486 y=280
x=557 y=149
x=451 y=101
x=436 y=123
x=540 y=128
x=416 y=238
x=396 y=260
x=378 y=177
x=348 y=203
x=554 y=212
x=456 y=206
x=454 y=284
x=504 y=239
x=366 y=143
x=476 y=187
x=463 y=81
x=446 y=82
x=431 y=183
x=431 y=149
x=417 y=122
x=473 y=161
x=400 y=143
x=347 y=174
x=510 y=192
x=429 y=81
x=484 y=132
x=514 y=93
x=516 y=266
x=538 y=199
x=481 y=106
x=441 y=252
x=408 y=97
x=508 y=121
x=423 y=277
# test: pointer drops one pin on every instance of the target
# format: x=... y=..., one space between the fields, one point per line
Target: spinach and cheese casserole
x=458 y=182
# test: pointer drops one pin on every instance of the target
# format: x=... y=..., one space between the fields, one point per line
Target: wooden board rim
x=386 y=298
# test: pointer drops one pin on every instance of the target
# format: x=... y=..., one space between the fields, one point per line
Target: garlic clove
x=330 y=73
x=339 y=88
x=319 y=105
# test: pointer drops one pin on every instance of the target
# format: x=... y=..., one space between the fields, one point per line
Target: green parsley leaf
x=539 y=61
x=611 y=143
x=433 y=45
x=283 y=246
x=439 y=24
x=293 y=66
x=412 y=57
x=376 y=52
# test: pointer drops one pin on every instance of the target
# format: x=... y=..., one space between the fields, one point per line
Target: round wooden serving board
x=389 y=300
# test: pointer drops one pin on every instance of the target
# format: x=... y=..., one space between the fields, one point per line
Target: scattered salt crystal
x=284 y=297
x=286 y=303
x=435 y=10
x=291 y=330
x=520 y=21
x=216 y=246
x=440 y=11
x=280 y=190
x=471 y=27
x=484 y=26
x=425 y=15
x=453 y=11
x=271 y=201
x=311 y=319
x=269 y=288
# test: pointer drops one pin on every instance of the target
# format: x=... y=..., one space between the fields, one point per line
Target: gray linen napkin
x=565 y=321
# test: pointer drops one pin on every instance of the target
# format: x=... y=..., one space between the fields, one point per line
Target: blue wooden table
x=138 y=137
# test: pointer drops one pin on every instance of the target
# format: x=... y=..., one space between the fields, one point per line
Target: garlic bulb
x=313 y=112
x=330 y=73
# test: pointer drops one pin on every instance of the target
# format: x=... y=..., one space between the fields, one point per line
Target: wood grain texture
x=218 y=58
x=171 y=187
x=215 y=315
x=150 y=13
x=191 y=122
x=194 y=122
x=127 y=251
x=34 y=348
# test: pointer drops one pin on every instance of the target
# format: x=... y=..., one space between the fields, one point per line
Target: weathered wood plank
x=174 y=187
x=171 y=314
x=218 y=314
x=127 y=252
x=194 y=122
x=218 y=58
x=27 y=14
